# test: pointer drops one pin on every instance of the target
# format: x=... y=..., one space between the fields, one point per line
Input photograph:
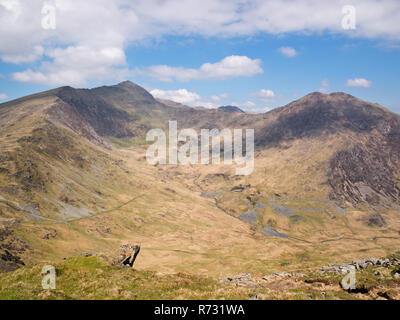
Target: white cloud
x=229 y=67
x=206 y=104
x=324 y=86
x=74 y=64
x=250 y=107
x=265 y=94
x=3 y=96
x=24 y=57
x=181 y=96
x=258 y=110
x=359 y=82
x=102 y=24
x=247 y=106
x=288 y=51
x=189 y=98
x=232 y=66
x=237 y=17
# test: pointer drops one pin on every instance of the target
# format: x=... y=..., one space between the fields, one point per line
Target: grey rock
x=86 y=254
x=281 y=210
x=260 y=205
x=269 y=231
x=249 y=216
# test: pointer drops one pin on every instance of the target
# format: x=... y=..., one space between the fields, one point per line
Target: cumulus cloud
x=359 y=82
x=181 y=96
x=288 y=51
x=375 y=18
x=264 y=95
x=117 y=24
x=258 y=110
x=324 y=88
x=37 y=52
x=189 y=98
x=229 y=67
x=3 y=96
x=247 y=105
x=207 y=104
x=74 y=64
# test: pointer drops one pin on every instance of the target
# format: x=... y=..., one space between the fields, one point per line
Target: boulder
x=128 y=255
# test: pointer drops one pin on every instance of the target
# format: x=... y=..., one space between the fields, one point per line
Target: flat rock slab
x=269 y=231
x=249 y=216
x=282 y=210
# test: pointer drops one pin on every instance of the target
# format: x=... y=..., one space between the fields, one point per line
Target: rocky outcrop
x=382 y=285
x=10 y=248
x=9 y=261
x=248 y=281
x=366 y=174
x=375 y=220
x=361 y=264
x=127 y=256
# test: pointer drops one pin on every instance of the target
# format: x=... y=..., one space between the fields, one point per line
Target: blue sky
x=232 y=58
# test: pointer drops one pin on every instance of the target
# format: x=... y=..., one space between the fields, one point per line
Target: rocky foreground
x=362 y=264
x=378 y=278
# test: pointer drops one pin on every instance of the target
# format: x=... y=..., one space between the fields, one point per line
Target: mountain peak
x=316 y=94
x=321 y=95
x=335 y=99
x=127 y=84
x=231 y=109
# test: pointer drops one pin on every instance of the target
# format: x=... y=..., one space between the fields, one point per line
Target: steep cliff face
x=369 y=172
x=104 y=118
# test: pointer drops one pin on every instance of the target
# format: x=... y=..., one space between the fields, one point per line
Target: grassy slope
x=92 y=278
